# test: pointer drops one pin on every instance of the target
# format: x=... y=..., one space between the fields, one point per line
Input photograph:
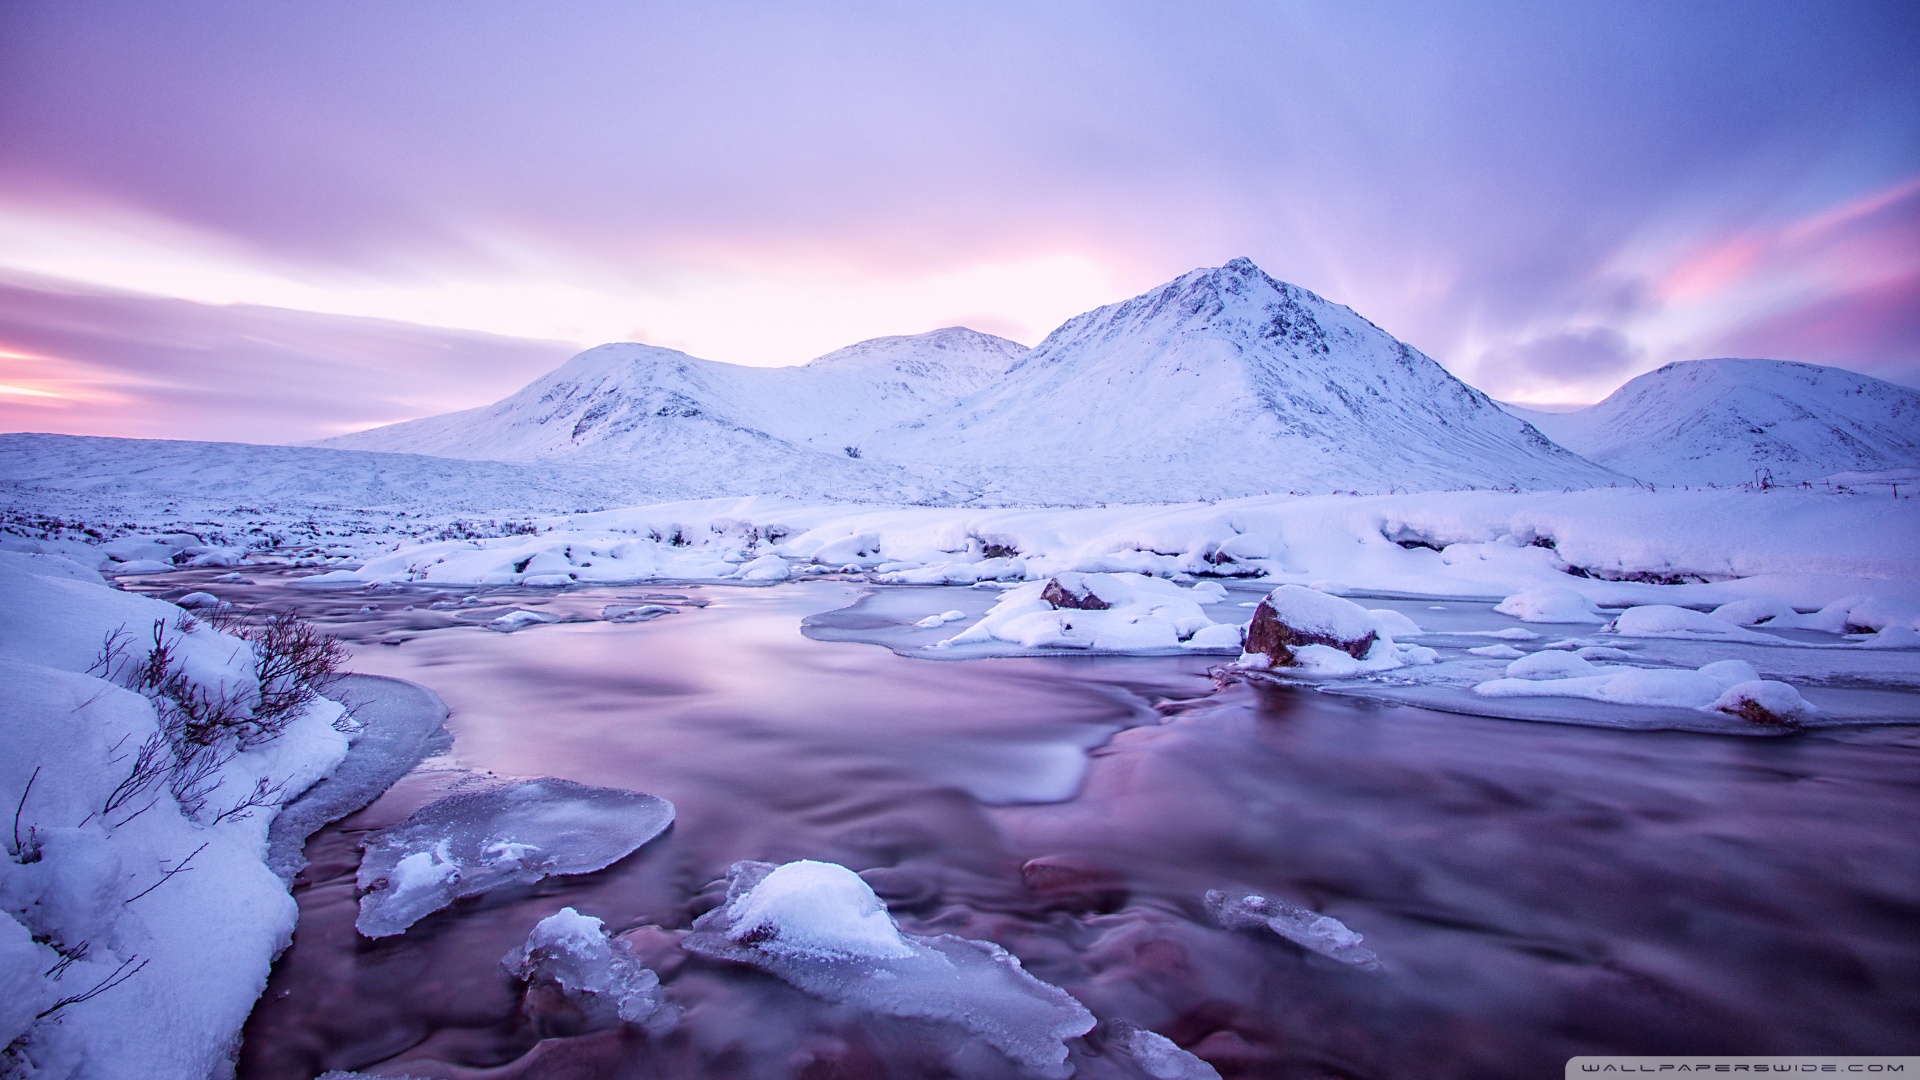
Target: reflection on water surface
x=1534 y=891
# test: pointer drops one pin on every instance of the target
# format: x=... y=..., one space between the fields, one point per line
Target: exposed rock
x=1271 y=635
x=1061 y=597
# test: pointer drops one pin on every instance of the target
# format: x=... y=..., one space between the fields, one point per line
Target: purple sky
x=1547 y=198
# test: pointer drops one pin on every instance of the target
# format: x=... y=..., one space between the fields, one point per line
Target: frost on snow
x=469 y=843
x=820 y=927
x=1310 y=930
x=600 y=975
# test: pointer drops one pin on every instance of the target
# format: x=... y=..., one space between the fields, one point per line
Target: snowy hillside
x=1221 y=383
x=694 y=422
x=1724 y=421
x=1225 y=382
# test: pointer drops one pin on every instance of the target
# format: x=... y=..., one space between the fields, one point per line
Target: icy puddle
x=1524 y=891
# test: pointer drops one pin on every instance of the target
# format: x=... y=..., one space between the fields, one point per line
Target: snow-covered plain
x=138 y=917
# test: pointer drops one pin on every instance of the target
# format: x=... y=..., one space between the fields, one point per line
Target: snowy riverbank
x=138 y=915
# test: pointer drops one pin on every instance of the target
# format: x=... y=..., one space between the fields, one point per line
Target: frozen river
x=1533 y=890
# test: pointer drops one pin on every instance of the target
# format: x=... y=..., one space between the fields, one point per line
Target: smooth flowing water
x=1534 y=891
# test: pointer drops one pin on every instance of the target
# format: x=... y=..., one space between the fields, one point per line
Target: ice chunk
x=930 y=622
x=819 y=927
x=1157 y=1055
x=1602 y=652
x=1667 y=621
x=520 y=619
x=628 y=613
x=469 y=843
x=597 y=973
x=810 y=907
x=1764 y=701
x=198 y=599
x=1310 y=930
x=1550 y=605
x=1549 y=665
x=1498 y=652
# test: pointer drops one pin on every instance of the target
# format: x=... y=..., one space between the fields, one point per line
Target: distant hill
x=1727 y=421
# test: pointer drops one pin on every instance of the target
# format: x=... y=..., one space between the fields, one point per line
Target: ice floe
x=1308 y=929
x=1549 y=605
x=820 y=927
x=599 y=974
x=475 y=841
x=1731 y=686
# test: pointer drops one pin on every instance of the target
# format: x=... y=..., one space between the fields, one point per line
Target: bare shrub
x=201 y=728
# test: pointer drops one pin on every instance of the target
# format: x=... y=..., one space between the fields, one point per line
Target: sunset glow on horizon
x=275 y=222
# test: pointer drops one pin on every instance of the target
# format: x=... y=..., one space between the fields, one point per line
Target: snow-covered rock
x=1731 y=686
x=820 y=927
x=475 y=841
x=1103 y=612
x=1293 y=617
x=599 y=974
x=1764 y=701
x=1310 y=930
x=1735 y=421
x=1668 y=621
x=1550 y=665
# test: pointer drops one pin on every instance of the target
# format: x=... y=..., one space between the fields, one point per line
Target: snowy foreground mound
x=472 y=842
x=820 y=927
x=138 y=918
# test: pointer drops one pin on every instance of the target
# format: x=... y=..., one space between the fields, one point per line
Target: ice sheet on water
x=1549 y=605
x=1157 y=1055
x=1729 y=686
x=632 y=613
x=519 y=619
x=820 y=927
x=1310 y=930
x=469 y=843
x=599 y=974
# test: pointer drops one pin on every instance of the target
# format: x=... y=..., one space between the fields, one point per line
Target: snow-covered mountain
x=1225 y=382
x=624 y=399
x=1727 y=421
x=1221 y=383
x=714 y=428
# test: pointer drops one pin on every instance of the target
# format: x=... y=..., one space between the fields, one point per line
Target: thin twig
x=167 y=875
x=21 y=807
x=120 y=975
